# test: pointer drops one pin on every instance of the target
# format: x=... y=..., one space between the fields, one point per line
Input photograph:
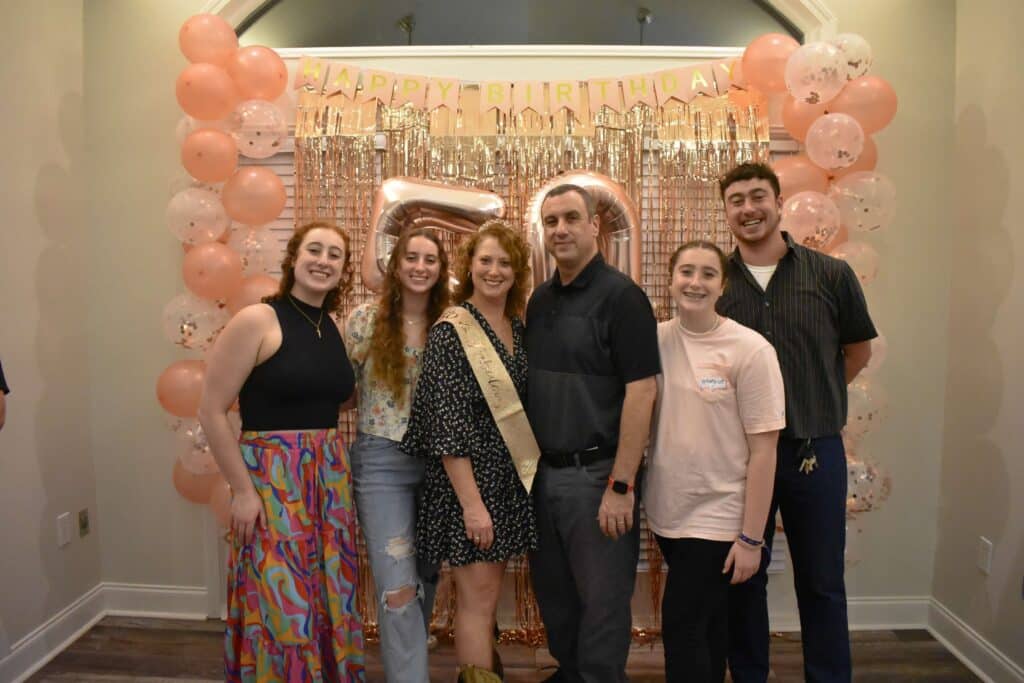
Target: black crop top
x=305 y=382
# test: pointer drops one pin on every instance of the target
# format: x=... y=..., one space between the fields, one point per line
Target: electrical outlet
x=984 y=555
x=63 y=529
x=83 y=522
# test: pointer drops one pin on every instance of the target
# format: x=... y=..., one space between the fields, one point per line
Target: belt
x=577 y=458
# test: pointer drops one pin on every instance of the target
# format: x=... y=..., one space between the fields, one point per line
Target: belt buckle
x=581 y=454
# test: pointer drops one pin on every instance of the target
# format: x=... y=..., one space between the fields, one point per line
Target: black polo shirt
x=585 y=341
x=812 y=307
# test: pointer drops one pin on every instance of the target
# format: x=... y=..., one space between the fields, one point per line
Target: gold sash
x=499 y=391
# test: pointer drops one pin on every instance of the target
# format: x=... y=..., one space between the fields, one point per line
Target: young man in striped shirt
x=811 y=308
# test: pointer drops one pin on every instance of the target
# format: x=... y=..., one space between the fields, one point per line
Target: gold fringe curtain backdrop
x=668 y=159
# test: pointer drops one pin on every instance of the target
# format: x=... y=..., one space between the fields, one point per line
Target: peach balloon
x=212 y=270
x=206 y=91
x=207 y=38
x=834 y=141
x=810 y=218
x=764 y=61
x=797 y=116
x=815 y=73
x=251 y=291
x=866 y=200
x=870 y=100
x=220 y=502
x=798 y=174
x=179 y=387
x=197 y=488
x=867 y=160
x=254 y=195
x=259 y=73
x=209 y=155
x=861 y=256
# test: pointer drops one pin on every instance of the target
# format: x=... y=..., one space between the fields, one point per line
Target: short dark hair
x=749 y=171
x=566 y=188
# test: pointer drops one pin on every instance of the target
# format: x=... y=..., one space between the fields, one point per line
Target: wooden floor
x=124 y=649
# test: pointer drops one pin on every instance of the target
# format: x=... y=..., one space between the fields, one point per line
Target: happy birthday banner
x=683 y=84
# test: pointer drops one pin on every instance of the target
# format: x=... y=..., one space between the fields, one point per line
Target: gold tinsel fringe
x=668 y=159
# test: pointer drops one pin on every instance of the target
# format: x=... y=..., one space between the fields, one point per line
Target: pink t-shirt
x=713 y=390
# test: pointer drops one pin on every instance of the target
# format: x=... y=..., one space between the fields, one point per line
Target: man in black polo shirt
x=811 y=308
x=591 y=340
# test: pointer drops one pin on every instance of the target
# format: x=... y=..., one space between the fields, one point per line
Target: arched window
x=321 y=23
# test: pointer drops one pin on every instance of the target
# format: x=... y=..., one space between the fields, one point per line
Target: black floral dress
x=450 y=417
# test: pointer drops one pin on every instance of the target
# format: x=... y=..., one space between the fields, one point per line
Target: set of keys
x=810 y=462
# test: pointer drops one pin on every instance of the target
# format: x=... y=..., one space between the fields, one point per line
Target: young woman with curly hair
x=292 y=573
x=385 y=340
x=476 y=513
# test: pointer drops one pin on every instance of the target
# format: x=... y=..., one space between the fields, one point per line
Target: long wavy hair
x=332 y=302
x=387 y=343
x=519 y=252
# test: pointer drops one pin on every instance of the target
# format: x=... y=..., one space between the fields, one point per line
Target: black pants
x=812 y=501
x=695 y=609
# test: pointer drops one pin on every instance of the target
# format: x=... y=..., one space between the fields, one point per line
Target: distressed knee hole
x=400 y=547
x=398 y=600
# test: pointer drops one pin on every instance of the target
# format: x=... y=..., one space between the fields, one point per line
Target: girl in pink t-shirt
x=712 y=461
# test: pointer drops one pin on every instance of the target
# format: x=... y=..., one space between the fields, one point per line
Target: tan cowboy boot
x=473 y=674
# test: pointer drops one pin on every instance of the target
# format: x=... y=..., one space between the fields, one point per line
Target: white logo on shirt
x=713 y=384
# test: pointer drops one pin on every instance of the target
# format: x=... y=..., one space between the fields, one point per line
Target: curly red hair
x=519 y=252
x=332 y=302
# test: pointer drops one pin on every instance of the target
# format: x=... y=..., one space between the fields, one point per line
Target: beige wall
x=912 y=42
x=150 y=534
x=982 y=476
x=46 y=466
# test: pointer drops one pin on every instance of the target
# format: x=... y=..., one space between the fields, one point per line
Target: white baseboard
x=868 y=614
x=141 y=600
x=32 y=652
x=977 y=654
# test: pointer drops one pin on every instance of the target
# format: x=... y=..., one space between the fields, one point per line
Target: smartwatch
x=619 y=487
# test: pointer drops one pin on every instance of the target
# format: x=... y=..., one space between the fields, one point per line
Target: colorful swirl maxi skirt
x=292 y=591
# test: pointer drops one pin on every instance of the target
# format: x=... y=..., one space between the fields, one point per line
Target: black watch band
x=619 y=487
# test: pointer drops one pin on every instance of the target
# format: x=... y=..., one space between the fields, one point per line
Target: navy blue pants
x=810 y=492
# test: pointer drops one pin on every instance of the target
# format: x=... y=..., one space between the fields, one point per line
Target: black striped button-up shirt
x=813 y=306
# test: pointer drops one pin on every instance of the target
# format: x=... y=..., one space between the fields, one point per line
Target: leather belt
x=577 y=458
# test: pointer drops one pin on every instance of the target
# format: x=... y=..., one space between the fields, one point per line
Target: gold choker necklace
x=316 y=325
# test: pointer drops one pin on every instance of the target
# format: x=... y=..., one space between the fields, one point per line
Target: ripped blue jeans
x=387 y=484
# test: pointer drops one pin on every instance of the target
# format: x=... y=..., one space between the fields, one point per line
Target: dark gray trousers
x=583 y=580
